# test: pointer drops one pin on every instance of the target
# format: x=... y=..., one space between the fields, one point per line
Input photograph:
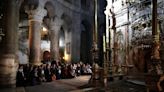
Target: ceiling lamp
x=44 y=29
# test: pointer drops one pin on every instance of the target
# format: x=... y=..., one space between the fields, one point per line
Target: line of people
x=29 y=75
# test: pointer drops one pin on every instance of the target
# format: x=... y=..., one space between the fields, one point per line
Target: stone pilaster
x=35 y=25
x=75 y=40
x=55 y=25
x=8 y=47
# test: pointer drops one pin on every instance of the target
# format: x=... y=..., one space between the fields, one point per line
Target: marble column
x=35 y=25
x=55 y=26
x=8 y=46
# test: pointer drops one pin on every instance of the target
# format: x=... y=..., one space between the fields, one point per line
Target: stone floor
x=79 y=84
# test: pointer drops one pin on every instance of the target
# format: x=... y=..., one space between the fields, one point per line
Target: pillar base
x=8 y=69
x=155 y=77
x=153 y=83
x=97 y=78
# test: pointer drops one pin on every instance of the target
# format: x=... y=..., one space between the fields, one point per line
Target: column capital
x=55 y=23
x=36 y=14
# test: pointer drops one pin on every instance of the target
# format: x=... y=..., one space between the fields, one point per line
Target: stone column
x=35 y=25
x=55 y=25
x=8 y=64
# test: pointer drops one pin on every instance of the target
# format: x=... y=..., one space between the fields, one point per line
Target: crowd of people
x=48 y=71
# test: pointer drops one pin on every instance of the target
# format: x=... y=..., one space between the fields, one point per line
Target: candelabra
x=95 y=78
x=155 y=74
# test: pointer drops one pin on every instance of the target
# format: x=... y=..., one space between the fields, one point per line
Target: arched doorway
x=66 y=31
x=62 y=44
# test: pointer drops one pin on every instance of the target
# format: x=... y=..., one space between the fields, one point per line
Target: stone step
x=137 y=82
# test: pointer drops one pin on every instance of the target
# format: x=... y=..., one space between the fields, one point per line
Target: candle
x=104 y=44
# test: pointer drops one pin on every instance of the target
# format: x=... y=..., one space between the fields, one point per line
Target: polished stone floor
x=79 y=84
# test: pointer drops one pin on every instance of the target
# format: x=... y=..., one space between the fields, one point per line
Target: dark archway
x=86 y=42
x=67 y=30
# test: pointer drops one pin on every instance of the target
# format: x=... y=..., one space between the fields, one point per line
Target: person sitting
x=48 y=73
x=20 y=78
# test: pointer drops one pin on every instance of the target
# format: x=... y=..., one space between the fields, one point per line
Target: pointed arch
x=67 y=21
x=50 y=9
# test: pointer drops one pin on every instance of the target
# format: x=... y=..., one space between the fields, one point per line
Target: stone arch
x=67 y=21
x=53 y=22
x=67 y=42
x=67 y=28
x=50 y=9
x=49 y=6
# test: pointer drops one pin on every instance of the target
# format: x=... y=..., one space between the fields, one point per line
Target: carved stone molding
x=37 y=14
